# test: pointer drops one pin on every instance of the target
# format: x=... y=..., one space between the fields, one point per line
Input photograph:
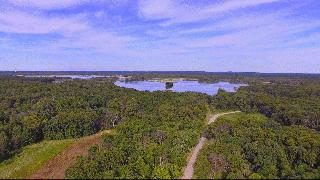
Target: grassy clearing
x=241 y=117
x=31 y=158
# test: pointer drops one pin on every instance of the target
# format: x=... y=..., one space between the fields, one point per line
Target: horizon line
x=146 y=71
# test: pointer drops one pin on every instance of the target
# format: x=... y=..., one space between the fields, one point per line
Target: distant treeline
x=164 y=73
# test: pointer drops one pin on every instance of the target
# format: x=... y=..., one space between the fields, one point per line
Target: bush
x=72 y=124
x=32 y=129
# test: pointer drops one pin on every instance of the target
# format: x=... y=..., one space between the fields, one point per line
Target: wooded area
x=286 y=104
x=253 y=146
x=154 y=132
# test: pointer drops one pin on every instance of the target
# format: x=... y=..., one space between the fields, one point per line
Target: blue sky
x=209 y=35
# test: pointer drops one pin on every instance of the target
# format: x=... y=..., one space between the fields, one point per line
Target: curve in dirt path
x=188 y=172
x=55 y=168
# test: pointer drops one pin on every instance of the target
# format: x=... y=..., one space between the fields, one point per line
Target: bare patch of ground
x=55 y=168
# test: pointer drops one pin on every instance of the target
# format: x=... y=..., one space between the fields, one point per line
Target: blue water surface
x=181 y=86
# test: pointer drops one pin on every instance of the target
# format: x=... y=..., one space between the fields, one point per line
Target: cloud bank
x=220 y=35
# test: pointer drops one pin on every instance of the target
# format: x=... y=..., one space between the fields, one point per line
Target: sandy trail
x=55 y=168
x=188 y=172
x=189 y=169
x=216 y=116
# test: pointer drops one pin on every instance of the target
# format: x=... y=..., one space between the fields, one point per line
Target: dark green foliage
x=32 y=110
x=251 y=146
x=287 y=104
x=4 y=144
x=72 y=124
x=3 y=117
x=32 y=129
x=152 y=142
x=154 y=132
x=46 y=108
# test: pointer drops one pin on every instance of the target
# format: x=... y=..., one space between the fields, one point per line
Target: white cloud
x=21 y=22
x=259 y=36
x=159 y=9
x=94 y=41
x=219 y=32
x=75 y=32
x=60 y=4
x=234 y=5
x=99 y=14
x=253 y=31
x=174 y=12
x=47 y=4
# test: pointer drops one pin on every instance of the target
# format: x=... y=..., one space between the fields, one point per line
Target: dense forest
x=286 y=104
x=253 y=146
x=36 y=109
x=151 y=144
x=154 y=132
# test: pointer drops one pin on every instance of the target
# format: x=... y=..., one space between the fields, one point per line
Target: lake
x=181 y=86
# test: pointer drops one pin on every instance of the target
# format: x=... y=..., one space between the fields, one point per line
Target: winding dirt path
x=55 y=168
x=188 y=171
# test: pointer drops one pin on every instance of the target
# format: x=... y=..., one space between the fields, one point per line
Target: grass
x=31 y=158
x=218 y=111
x=241 y=117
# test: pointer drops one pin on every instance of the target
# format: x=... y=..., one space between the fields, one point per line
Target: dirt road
x=188 y=172
x=55 y=168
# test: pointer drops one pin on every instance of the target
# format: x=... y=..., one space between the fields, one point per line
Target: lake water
x=181 y=86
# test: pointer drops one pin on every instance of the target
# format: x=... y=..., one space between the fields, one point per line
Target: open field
x=56 y=167
x=47 y=159
x=31 y=158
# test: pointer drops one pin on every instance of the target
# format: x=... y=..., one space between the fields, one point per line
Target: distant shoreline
x=151 y=72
